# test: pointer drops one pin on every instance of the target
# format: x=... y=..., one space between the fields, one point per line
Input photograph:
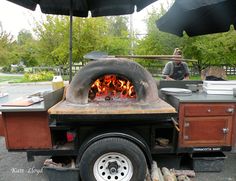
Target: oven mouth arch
x=142 y=80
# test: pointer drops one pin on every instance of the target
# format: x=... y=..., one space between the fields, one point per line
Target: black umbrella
x=199 y=17
x=81 y=8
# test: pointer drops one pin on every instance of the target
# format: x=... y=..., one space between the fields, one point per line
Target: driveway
x=14 y=75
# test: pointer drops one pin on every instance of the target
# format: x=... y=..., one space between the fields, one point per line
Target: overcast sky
x=15 y=18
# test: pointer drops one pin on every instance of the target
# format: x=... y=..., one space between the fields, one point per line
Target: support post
x=71 y=31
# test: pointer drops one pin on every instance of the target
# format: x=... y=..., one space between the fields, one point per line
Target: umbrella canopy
x=198 y=17
x=81 y=8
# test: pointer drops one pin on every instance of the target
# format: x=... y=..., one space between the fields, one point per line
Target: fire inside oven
x=112 y=87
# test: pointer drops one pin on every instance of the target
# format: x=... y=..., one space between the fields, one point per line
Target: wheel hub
x=113 y=167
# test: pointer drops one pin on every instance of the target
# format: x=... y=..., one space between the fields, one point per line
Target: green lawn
x=229 y=77
x=10 y=79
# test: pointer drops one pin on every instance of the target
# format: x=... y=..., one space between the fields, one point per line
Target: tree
x=216 y=49
x=52 y=35
x=117 y=26
x=23 y=37
x=102 y=34
x=157 y=42
x=26 y=48
x=117 y=40
x=7 y=45
x=89 y=35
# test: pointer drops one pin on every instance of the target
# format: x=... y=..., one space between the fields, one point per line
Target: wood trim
x=234 y=130
x=2 y=132
x=181 y=122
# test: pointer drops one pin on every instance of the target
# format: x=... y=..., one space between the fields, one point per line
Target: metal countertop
x=204 y=98
x=49 y=100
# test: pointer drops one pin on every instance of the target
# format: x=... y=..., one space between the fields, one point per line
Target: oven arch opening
x=112 y=87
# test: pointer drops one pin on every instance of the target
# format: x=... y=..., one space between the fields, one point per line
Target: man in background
x=176 y=69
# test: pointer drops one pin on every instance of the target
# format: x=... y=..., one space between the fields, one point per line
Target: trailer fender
x=129 y=135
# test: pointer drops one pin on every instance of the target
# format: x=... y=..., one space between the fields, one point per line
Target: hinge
x=186 y=124
x=186 y=137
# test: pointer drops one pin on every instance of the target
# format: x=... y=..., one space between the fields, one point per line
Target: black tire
x=115 y=148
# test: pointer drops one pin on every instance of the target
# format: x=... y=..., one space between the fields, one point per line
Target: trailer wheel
x=113 y=159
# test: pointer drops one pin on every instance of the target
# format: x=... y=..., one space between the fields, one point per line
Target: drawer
x=209 y=109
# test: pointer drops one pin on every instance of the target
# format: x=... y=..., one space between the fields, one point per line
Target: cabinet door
x=207 y=131
x=27 y=130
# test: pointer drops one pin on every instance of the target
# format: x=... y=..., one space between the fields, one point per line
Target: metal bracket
x=186 y=124
x=186 y=137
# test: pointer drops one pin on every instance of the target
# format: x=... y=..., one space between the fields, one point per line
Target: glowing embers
x=112 y=87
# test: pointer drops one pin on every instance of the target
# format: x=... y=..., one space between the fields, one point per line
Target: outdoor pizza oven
x=112 y=80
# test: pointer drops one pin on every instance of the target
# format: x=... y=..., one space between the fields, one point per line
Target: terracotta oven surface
x=112 y=86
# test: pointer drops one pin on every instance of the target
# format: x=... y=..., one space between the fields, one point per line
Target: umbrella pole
x=71 y=29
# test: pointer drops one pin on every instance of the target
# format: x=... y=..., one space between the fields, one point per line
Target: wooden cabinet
x=27 y=130
x=205 y=124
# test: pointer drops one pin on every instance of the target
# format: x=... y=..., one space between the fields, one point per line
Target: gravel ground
x=14 y=166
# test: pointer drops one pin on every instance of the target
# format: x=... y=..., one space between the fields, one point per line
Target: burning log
x=72 y=163
x=50 y=163
x=183 y=178
x=189 y=173
x=168 y=176
x=148 y=176
x=110 y=86
x=162 y=141
x=156 y=174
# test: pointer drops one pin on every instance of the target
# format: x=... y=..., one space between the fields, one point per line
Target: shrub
x=20 y=68
x=39 y=76
x=6 y=68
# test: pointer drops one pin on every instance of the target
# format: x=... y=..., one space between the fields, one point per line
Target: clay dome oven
x=112 y=79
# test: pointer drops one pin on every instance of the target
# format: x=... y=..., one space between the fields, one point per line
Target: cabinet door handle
x=209 y=110
x=230 y=110
x=225 y=130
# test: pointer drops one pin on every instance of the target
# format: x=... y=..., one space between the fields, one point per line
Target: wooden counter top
x=110 y=108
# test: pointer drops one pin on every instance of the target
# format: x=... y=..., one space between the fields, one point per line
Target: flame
x=112 y=86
